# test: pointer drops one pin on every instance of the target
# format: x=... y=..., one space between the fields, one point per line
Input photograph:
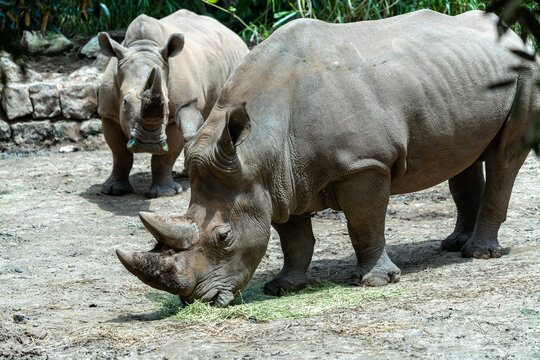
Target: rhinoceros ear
x=110 y=47
x=189 y=120
x=175 y=44
x=237 y=128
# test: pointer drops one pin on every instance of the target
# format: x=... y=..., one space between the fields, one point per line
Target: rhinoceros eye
x=223 y=235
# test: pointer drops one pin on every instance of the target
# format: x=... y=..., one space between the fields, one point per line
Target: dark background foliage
x=254 y=20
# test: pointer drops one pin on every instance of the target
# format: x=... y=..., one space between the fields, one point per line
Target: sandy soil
x=63 y=293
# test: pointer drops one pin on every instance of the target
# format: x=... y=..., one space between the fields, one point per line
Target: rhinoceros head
x=141 y=79
x=212 y=252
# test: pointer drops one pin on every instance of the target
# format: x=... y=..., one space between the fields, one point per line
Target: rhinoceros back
x=406 y=95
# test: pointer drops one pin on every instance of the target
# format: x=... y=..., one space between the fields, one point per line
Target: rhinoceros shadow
x=129 y=204
x=168 y=305
x=409 y=257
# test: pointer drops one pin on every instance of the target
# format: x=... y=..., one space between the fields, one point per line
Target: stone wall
x=40 y=112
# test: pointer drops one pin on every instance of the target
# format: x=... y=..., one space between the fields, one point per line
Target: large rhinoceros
x=343 y=116
x=160 y=65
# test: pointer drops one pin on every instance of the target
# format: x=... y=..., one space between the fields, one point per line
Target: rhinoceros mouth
x=148 y=141
x=214 y=297
x=136 y=146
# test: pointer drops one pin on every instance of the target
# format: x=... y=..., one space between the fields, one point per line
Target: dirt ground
x=64 y=294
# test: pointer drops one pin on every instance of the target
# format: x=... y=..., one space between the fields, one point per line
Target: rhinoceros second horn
x=167 y=232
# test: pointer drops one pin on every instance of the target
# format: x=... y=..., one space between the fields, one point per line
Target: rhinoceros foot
x=377 y=277
x=382 y=274
x=481 y=250
x=115 y=186
x=169 y=189
x=455 y=241
x=184 y=173
x=282 y=285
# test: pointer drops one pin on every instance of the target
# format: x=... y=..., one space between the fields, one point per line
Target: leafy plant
x=260 y=18
x=524 y=17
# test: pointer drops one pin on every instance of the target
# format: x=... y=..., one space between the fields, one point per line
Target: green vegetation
x=254 y=19
x=261 y=17
x=254 y=305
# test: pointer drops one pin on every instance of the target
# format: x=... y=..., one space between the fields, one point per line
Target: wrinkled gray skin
x=343 y=116
x=161 y=65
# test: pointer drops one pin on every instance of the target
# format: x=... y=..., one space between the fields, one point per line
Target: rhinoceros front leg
x=118 y=181
x=502 y=166
x=162 y=165
x=364 y=198
x=297 y=242
x=467 y=189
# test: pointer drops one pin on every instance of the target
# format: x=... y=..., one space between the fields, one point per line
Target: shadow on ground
x=168 y=305
x=129 y=204
x=410 y=258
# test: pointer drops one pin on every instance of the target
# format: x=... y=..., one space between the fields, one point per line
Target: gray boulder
x=45 y=99
x=91 y=49
x=32 y=132
x=16 y=101
x=13 y=71
x=90 y=128
x=101 y=62
x=5 y=131
x=85 y=74
x=66 y=130
x=35 y=43
x=78 y=100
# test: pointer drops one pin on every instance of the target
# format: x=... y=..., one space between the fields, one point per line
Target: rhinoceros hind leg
x=503 y=160
x=297 y=242
x=162 y=165
x=118 y=181
x=467 y=189
x=383 y=273
x=364 y=198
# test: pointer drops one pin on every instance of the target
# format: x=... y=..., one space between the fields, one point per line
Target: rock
x=90 y=128
x=14 y=73
x=85 y=74
x=5 y=131
x=91 y=49
x=44 y=133
x=66 y=131
x=16 y=101
x=35 y=43
x=19 y=319
x=68 y=149
x=78 y=100
x=101 y=62
x=32 y=132
x=45 y=99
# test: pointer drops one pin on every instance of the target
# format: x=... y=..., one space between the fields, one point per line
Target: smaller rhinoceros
x=342 y=116
x=160 y=65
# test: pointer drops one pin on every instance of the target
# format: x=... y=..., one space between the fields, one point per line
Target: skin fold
x=343 y=116
x=161 y=65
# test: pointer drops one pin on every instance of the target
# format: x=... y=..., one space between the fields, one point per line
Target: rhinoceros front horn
x=127 y=259
x=169 y=231
x=155 y=270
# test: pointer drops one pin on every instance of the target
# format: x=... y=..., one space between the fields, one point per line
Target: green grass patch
x=531 y=312
x=10 y=193
x=252 y=304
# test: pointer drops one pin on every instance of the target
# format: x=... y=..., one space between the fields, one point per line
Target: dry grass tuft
x=253 y=305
